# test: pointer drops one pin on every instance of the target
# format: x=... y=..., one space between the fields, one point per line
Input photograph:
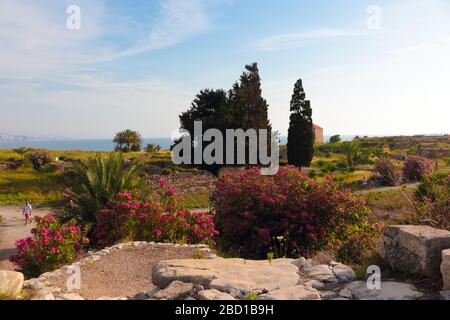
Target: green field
x=45 y=187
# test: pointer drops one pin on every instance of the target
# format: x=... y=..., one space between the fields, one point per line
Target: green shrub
x=39 y=158
x=98 y=180
x=433 y=202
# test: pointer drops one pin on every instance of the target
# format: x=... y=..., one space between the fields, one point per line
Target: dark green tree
x=335 y=139
x=213 y=109
x=301 y=133
x=242 y=107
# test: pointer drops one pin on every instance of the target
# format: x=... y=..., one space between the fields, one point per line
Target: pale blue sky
x=138 y=64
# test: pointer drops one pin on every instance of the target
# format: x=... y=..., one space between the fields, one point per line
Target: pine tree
x=301 y=132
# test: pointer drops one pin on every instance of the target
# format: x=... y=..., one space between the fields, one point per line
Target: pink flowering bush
x=52 y=245
x=251 y=210
x=414 y=168
x=129 y=216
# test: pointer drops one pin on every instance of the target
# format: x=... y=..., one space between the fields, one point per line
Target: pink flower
x=158 y=232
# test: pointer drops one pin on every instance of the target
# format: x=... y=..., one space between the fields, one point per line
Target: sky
x=378 y=67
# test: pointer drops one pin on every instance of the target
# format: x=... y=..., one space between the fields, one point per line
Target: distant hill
x=16 y=138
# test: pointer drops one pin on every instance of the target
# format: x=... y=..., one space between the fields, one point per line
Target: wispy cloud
x=178 y=21
x=300 y=39
x=34 y=40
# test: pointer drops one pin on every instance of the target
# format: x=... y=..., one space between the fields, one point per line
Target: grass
x=391 y=206
x=197 y=200
x=7 y=154
x=40 y=187
x=43 y=188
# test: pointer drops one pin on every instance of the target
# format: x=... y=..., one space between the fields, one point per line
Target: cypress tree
x=250 y=109
x=300 y=146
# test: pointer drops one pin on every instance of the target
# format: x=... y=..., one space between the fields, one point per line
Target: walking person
x=26 y=212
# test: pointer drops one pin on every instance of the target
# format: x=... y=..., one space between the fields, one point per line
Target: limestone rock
x=389 y=291
x=176 y=290
x=292 y=293
x=300 y=262
x=43 y=295
x=237 y=277
x=345 y=293
x=152 y=292
x=71 y=296
x=445 y=268
x=139 y=296
x=214 y=295
x=445 y=295
x=343 y=272
x=414 y=249
x=321 y=272
x=11 y=283
x=314 y=284
x=34 y=284
x=327 y=295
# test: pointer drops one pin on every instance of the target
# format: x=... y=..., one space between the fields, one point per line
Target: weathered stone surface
x=345 y=293
x=237 y=277
x=414 y=249
x=314 y=284
x=445 y=268
x=11 y=283
x=34 y=284
x=176 y=290
x=321 y=272
x=140 y=296
x=152 y=292
x=292 y=293
x=71 y=296
x=445 y=295
x=327 y=295
x=214 y=295
x=388 y=291
x=300 y=262
x=43 y=295
x=343 y=272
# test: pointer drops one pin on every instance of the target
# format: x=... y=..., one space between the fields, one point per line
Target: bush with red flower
x=132 y=217
x=52 y=245
x=415 y=168
x=251 y=210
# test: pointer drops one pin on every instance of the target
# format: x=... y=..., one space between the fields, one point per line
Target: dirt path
x=13 y=229
x=123 y=273
x=382 y=189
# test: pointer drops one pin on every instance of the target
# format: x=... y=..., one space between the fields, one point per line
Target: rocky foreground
x=147 y=271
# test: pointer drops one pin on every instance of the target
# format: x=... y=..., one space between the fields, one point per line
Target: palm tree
x=152 y=148
x=128 y=140
x=22 y=151
x=98 y=180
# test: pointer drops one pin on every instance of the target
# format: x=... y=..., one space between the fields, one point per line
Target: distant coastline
x=94 y=144
x=104 y=144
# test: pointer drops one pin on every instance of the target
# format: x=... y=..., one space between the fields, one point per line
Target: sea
x=98 y=144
